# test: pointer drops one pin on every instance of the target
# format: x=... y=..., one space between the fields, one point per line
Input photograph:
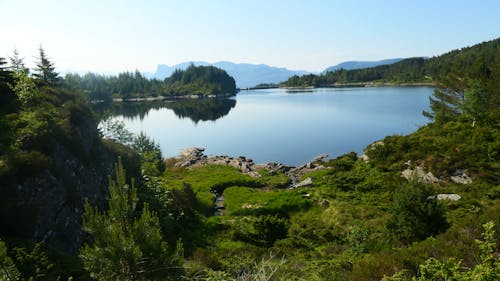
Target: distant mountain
x=348 y=65
x=246 y=75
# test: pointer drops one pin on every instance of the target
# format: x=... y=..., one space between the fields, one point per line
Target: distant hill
x=246 y=75
x=348 y=65
x=465 y=62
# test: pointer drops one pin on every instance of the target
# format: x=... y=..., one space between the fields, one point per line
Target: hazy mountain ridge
x=246 y=74
x=348 y=65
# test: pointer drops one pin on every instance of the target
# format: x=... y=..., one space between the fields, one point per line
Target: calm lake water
x=279 y=125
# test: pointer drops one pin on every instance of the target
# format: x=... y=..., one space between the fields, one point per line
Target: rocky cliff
x=47 y=205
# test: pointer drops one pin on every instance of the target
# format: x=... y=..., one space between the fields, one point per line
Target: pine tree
x=45 y=70
x=415 y=216
x=447 y=100
x=126 y=246
x=8 y=270
x=16 y=62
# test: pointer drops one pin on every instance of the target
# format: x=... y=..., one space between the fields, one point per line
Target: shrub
x=415 y=216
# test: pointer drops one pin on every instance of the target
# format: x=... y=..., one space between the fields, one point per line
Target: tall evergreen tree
x=6 y=79
x=45 y=70
x=16 y=62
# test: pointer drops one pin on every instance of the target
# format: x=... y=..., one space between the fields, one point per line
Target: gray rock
x=451 y=197
x=304 y=183
x=461 y=177
x=419 y=174
x=320 y=158
x=365 y=158
x=49 y=205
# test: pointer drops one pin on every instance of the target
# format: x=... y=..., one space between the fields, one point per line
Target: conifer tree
x=6 y=79
x=8 y=270
x=16 y=62
x=125 y=245
x=45 y=70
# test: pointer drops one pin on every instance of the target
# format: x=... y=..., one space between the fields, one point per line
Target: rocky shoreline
x=195 y=157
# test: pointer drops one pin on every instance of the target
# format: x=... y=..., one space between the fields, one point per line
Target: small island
x=207 y=81
x=193 y=83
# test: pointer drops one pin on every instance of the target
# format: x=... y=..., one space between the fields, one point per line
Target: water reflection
x=195 y=109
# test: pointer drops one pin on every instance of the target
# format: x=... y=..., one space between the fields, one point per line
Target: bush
x=415 y=216
x=262 y=230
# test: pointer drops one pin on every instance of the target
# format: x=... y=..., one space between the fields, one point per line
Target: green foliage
x=115 y=130
x=415 y=216
x=472 y=61
x=8 y=270
x=24 y=87
x=126 y=246
x=488 y=269
x=245 y=201
x=210 y=178
x=34 y=264
x=45 y=71
x=151 y=160
x=7 y=96
x=200 y=80
x=261 y=230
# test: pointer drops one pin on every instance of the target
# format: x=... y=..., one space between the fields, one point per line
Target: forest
x=195 y=80
x=465 y=61
x=77 y=203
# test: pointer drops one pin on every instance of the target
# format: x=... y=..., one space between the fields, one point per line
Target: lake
x=279 y=125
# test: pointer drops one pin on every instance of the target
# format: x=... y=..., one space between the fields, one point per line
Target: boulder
x=365 y=158
x=304 y=183
x=461 y=177
x=419 y=174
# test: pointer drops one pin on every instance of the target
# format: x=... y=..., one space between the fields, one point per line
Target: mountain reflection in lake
x=195 y=109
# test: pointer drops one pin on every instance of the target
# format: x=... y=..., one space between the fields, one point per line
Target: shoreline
x=173 y=97
x=350 y=85
x=195 y=157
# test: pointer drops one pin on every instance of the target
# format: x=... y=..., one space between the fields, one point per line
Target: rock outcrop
x=461 y=177
x=195 y=157
x=420 y=175
x=305 y=183
x=47 y=206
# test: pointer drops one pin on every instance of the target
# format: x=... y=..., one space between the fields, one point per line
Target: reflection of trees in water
x=196 y=110
x=202 y=110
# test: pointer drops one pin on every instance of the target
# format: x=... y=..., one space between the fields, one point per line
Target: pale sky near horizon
x=109 y=36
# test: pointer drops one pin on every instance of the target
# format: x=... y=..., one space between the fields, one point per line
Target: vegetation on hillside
x=359 y=220
x=465 y=61
x=200 y=80
x=195 y=80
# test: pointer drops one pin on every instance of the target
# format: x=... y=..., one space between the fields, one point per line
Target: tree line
x=195 y=80
x=464 y=62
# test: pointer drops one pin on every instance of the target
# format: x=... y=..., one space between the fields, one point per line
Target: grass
x=209 y=178
x=336 y=229
x=252 y=201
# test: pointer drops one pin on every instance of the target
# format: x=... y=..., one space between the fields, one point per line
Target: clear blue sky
x=112 y=36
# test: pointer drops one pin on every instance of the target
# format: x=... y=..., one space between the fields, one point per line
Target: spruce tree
x=6 y=79
x=16 y=62
x=45 y=70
